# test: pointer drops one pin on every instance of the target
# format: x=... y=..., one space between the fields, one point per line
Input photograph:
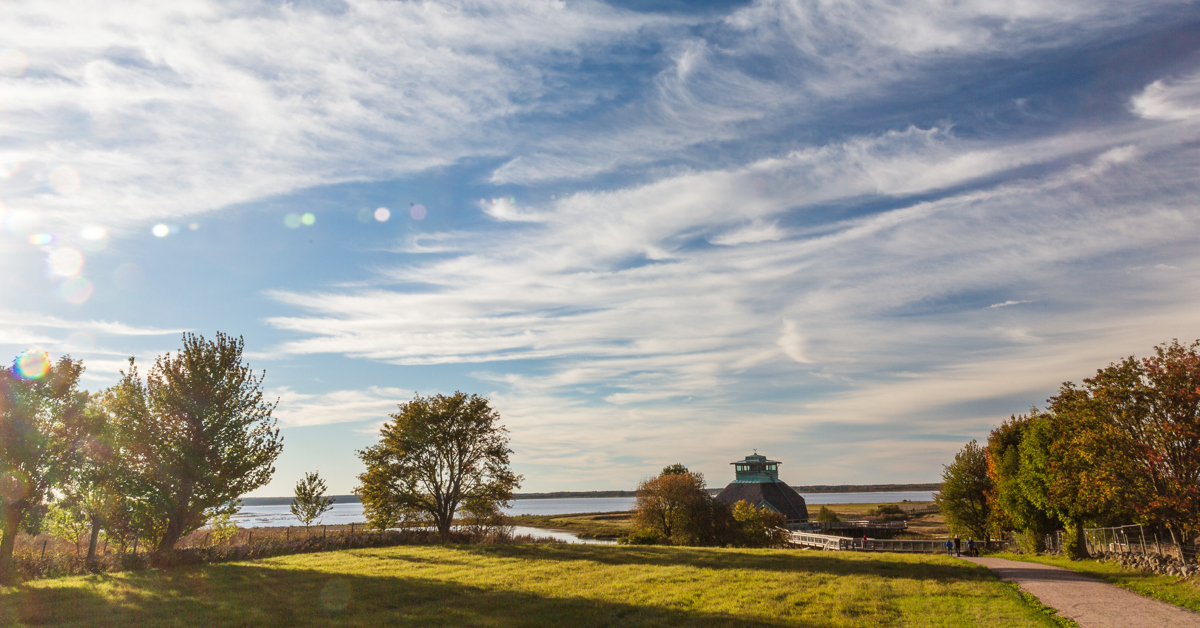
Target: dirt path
x=1089 y=602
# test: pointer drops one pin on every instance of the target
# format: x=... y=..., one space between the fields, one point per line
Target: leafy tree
x=310 y=502
x=435 y=454
x=1010 y=508
x=197 y=434
x=676 y=507
x=825 y=515
x=675 y=469
x=41 y=428
x=67 y=523
x=1152 y=407
x=965 y=486
x=92 y=489
x=758 y=527
x=1070 y=469
x=222 y=526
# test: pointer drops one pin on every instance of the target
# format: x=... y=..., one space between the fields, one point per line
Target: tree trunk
x=1074 y=545
x=91 y=556
x=11 y=523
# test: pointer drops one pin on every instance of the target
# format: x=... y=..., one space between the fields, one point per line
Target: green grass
x=536 y=585
x=1171 y=589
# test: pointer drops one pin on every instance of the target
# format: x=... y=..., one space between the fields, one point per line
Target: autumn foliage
x=1123 y=446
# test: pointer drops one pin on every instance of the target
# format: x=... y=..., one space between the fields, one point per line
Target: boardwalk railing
x=841 y=543
x=856 y=526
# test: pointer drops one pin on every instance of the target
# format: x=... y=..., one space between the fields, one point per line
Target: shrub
x=644 y=536
x=827 y=516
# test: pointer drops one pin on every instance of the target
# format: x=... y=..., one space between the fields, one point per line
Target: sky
x=851 y=235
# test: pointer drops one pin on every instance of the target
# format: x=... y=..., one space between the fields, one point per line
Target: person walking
x=957 y=546
x=949 y=546
x=971 y=546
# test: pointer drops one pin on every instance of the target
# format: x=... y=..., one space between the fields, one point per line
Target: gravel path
x=1089 y=602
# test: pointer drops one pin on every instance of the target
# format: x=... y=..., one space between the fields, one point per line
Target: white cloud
x=169 y=109
x=297 y=409
x=644 y=333
x=1169 y=100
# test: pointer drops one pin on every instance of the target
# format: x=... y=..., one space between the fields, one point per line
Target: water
x=352 y=512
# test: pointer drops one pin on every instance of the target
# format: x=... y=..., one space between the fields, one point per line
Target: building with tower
x=756 y=480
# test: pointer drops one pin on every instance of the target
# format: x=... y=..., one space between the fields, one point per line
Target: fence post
x=324 y=531
x=250 y=539
x=1143 y=531
x=288 y=534
x=44 y=542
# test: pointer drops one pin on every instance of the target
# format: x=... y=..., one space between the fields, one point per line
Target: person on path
x=971 y=546
x=957 y=546
x=949 y=546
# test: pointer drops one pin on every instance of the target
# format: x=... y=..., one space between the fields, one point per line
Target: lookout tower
x=756 y=480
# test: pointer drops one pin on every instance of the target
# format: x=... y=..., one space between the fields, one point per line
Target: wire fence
x=1135 y=539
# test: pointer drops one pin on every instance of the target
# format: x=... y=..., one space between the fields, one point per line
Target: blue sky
x=852 y=235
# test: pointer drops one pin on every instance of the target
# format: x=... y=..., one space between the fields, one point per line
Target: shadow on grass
x=832 y=563
x=241 y=595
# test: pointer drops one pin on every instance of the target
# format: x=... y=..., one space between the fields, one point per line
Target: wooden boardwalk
x=841 y=543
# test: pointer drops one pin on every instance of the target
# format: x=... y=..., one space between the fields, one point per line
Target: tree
x=676 y=507
x=41 y=428
x=436 y=453
x=1070 y=469
x=1010 y=508
x=827 y=515
x=197 y=434
x=1152 y=407
x=310 y=501
x=965 y=486
x=758 y=527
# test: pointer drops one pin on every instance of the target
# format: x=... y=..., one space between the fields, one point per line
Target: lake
x=346 y=513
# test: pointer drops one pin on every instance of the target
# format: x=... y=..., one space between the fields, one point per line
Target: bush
x=827 y=516
x=888 y=512
x=644 y=536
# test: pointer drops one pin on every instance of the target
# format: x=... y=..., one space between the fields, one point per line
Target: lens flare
x=291 y=221
x=417 y=212
x=160 y=230
x=382 y=214
x=193 y=226
x=13 y=62
x=365 y=215
x=66 y=262
x=41 y=239
x=64 y=180
x=308 y=220
x=31 y=364
x=75 y=290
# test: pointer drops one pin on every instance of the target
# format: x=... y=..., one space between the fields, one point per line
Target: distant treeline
x=867 y=488
x=817 y=488
x=285 y=501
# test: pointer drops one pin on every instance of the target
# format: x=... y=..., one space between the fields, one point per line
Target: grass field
x=535 y=585
x=1171 y=589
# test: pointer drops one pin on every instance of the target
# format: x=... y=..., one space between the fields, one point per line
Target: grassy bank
x=591 y=525
x=535 y=585
x=1170 y=589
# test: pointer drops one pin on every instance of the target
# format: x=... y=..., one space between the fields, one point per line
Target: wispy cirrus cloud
x=159 y=111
